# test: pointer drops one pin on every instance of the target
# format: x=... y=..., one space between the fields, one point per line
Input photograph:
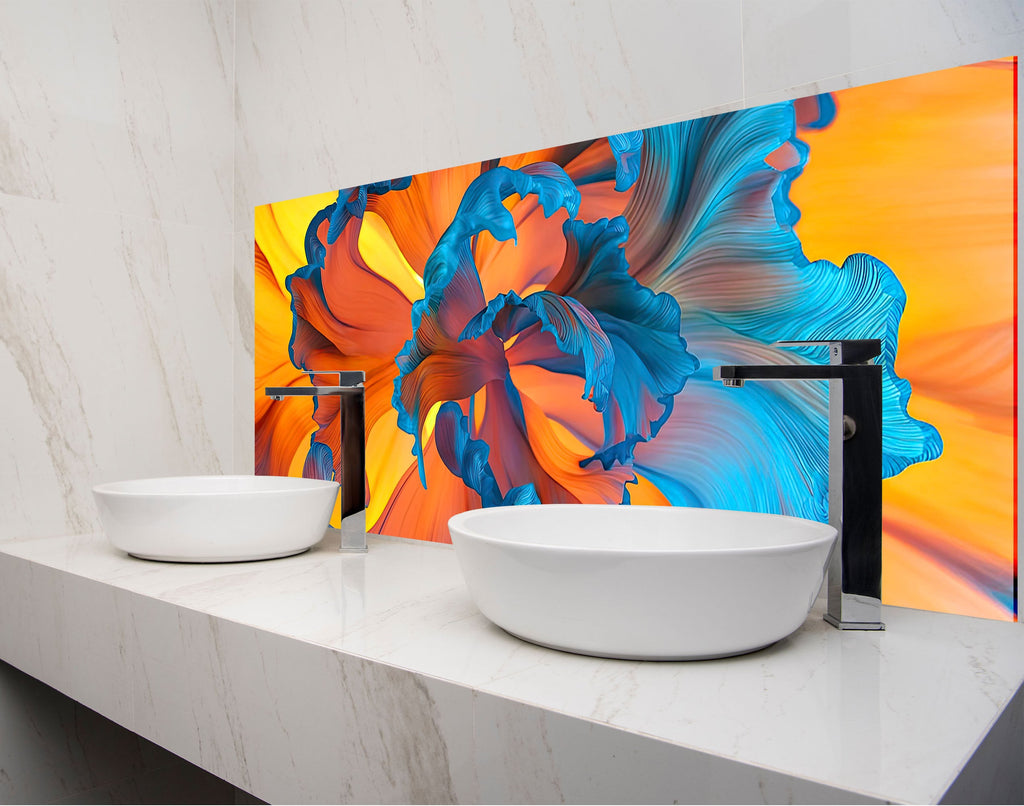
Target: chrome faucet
x=353 y=447
x=854 y=471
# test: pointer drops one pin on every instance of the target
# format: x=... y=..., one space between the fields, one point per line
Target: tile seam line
x=235 y=458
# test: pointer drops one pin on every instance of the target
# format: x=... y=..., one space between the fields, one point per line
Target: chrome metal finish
x=349 y=382
x=281 y=392
x=854 y=587
x=352 y=410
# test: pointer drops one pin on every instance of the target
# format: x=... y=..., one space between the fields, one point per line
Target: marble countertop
x=330 y=677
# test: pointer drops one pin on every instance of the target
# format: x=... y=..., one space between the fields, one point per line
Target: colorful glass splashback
x=543 y=327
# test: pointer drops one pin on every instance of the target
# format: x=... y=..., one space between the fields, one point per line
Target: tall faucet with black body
x=855 y=471
x=353 y=447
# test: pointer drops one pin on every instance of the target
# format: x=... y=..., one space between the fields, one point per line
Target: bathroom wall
x=427 y=86
x=126 y=346
x=116 y=315
x=116 y=318
x=916 y=172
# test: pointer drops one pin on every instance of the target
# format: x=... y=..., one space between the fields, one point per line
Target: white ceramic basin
x=209 y=519
x=642 y=582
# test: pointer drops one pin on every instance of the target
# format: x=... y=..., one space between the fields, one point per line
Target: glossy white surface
x=212 y=519
x=269 y=674
x=642 y=582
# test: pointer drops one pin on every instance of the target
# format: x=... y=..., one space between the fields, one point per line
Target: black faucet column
x=353 y=452
x=854 y=586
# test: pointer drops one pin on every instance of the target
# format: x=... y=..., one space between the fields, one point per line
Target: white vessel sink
x=209 y=519
x=642 y=582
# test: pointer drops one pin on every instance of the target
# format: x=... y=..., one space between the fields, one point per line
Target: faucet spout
x=352 y=411
x=854 y=585
x=735 y=375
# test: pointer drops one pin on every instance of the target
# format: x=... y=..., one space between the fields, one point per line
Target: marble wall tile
x=330 y=96
x=116 y=154
x=421 y=85
x=327 y=94
x=119 y=106
x=806 y=46
x=116 y=334
x=502 y=79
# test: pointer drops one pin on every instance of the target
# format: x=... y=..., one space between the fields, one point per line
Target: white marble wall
x=116 y=314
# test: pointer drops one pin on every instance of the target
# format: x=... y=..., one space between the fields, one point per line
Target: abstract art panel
x=543 y=327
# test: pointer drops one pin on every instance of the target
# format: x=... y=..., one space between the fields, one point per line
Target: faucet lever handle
x=844 y=351
x=345 y=377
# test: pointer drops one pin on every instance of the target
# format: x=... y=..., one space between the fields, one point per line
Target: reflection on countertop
x=373 y=677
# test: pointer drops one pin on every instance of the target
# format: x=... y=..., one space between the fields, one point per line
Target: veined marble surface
x=116 y=245
x=329 y=677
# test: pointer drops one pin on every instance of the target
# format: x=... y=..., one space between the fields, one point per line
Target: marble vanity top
x=330 y=678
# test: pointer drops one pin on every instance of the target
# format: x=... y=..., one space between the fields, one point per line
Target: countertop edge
x=278 y=716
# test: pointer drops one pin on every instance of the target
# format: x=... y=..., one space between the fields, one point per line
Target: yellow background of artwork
x=920 y=173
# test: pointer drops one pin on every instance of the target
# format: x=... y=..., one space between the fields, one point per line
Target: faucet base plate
x=853 y=625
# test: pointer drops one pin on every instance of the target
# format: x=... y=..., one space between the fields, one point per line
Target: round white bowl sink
x=211 y=519
x=642 y=582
